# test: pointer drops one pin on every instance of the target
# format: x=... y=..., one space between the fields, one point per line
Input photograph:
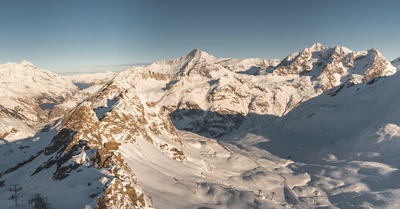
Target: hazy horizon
x=96 y=36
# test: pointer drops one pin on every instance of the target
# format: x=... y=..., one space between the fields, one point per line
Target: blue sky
x=96 y=35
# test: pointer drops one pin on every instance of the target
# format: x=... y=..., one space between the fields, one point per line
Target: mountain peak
x=375 y=50
x=196 y=50
x=197 y=53
x=316 y=47
x=26 y=63
x=13 y=65
x=341 y=49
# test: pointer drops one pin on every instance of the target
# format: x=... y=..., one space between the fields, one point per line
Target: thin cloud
x=104 y=68
x=136 y=64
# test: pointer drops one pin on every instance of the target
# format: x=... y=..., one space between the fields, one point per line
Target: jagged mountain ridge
x=88 y=84
x=208 y=91
x=87 y=140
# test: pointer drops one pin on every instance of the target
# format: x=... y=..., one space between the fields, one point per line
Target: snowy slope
x=396 y=63
x=348 y=144
x=27 y=93
x=85 y=146
x=346 y=117
x=12 y=129
x=212 y=176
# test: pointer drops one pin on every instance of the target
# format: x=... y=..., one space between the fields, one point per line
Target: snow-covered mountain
x=396 y=63
x=85 y=143
x=211 y=96
x=28 y=93
x=316 y=129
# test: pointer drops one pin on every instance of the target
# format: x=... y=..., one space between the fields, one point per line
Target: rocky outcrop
x=80 y=142
x=90 y=136
x=333 y=66
x=118 y=195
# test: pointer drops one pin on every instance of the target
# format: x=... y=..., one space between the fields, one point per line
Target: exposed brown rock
x=128 y=197
x=111 y=145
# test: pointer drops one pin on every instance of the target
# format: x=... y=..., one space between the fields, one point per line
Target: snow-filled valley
x=318 y=129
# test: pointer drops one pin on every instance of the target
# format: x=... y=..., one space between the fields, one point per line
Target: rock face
x=28 y=93
x=126 y=115
x=333 y=66
x=79 y=142
x=211 y=96
x=91 y=133
x=91 y=82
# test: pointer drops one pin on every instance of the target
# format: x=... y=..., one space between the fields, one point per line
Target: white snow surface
x=12 y=129
x=213 y=176
x=347 y=143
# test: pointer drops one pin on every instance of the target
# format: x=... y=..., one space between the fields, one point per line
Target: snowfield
x=13 y=129
x=347 y=144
